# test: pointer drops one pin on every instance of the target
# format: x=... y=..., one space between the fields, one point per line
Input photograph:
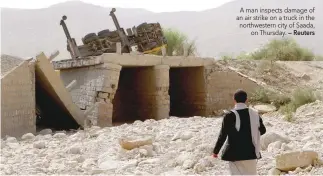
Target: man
x=241 y=130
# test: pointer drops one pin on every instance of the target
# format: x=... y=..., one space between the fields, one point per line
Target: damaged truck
x=147 y=38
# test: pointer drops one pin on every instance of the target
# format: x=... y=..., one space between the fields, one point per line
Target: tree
x=176 y=41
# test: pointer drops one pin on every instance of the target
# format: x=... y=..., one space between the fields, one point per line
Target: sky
x=151 y=5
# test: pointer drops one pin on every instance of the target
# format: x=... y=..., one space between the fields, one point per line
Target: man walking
x=241 y=130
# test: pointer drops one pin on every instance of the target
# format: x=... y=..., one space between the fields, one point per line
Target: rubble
x=155 y=153
x=292 y=160
x=174 y=146
x=130 y=144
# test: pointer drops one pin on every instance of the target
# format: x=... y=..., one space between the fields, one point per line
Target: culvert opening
x=187 y=91
x=50 y=111
x=134 y=96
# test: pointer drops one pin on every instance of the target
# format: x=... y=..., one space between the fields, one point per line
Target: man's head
x=240 y=96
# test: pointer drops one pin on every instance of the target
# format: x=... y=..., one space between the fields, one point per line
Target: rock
x=149 y=161
x=274 y=171
x=72 y=163
x=75 y=150
x=291 y=160
x=110 y=164
x=311 y=145
x=46 y=131
x=80 y=159
x=28 y=136
x=130 y=144
x=272 y=147
x=59 y=135
x=88 y=163
x=186 y=135
x=305 y=77
x=176 y=136
x=265 y=108
x=39 y=144
x=143 y=152
x=308 y=169
x=146 y=150
x=285 y=147
x=11 y=140
x=271 y=137
x=297 y=170
x=188 y=164
x=96 y=171
x=199 y=167
x=308 y=138
x=318 y=162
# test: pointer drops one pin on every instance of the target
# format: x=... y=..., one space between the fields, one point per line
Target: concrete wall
x=135 y=87
x=96 y=86
x=18 y=101
x=140 y=93
x=221 y=85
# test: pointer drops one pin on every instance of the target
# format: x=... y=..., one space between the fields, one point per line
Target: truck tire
x=89 y=38
x=104 y=33
x=142 y=25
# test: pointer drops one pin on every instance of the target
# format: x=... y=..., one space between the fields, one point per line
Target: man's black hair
x=240 y=96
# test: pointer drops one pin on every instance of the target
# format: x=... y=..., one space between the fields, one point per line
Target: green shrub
x=280 y=100
x=176 y=40
x=299 y=97
x=260 y=96
x=269 y=97
x=319 y=58
x=284 y=50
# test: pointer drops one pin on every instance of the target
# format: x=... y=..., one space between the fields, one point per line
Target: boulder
x=59 y=135
x=39 y=144
x=292 y=160
x=75 y=149
x=28 y=136
x=11 y=140
x=46 y=131
x=130 y=144
x=275 y=146
x=271 y=137
x=274 y=171
x=265 y=108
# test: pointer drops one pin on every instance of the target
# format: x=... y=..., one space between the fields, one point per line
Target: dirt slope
x=284 y=76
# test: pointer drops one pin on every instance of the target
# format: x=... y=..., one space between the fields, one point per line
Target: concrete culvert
x=50 y=114
x=134 y=99
x=187 y=91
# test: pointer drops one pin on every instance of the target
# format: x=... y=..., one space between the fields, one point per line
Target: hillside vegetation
x=282 y=50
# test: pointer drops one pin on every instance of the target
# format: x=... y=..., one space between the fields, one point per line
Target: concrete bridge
x=128 y=87
x=111 y=89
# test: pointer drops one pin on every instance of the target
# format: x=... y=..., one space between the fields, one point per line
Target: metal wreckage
x=147 y=38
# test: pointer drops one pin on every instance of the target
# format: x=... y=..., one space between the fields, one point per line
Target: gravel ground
x=181 y=146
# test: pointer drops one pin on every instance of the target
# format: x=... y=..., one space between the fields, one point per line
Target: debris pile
x=175 y=146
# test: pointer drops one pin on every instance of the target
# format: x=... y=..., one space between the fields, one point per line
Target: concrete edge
x=46 y=68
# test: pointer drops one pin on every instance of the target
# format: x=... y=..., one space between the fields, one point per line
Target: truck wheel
x=142 y=25
x=103 y=33
x=89 y=38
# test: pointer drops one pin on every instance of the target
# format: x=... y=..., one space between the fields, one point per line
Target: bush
x=284 y=50
x=176 y=41
x=269 y=97
x=260 y=95
x=299 y=97
x=318 y=58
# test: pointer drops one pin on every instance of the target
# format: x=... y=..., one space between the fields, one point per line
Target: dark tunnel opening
x=49 y=110
x=134 y=96
x=187 y=91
